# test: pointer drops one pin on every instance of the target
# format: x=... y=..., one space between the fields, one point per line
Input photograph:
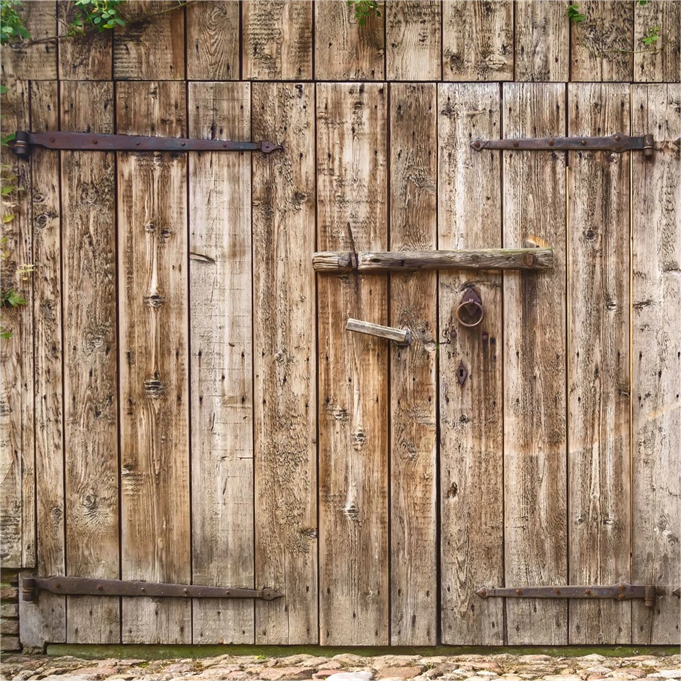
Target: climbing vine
x=364 y=9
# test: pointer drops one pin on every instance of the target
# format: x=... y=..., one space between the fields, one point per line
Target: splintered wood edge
x=399 y=336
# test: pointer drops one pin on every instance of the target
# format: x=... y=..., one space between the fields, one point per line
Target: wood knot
x=154 y=387
x=154 y=300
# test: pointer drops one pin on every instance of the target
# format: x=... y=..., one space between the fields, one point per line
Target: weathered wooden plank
x=47 y=316
x=660 y=61
x=353 y=370
x=542 y=41
x=656 y=361
x=153 y=359
x=83 y=57
x=284 y=364
x=535 y=494
x=17 y=457
x=213 y=40
x=598 y=364
x=277 y=39
x=602 y=45
x=413 y=370
x=88 y=182
x=471 y=416
x=413 y=39
x=344 y=50
x=33 y=60
x=153 y=48
x=477 y=40
x=221 y=361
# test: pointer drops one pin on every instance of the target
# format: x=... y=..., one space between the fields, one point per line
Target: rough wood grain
x=83 y=57
x=660 y=61
x=413 y=370
x=17 y=457
x=277 y=39
x=152 y=48
x=34 y=61
x=344 y=50
x=284 y=364
x=656 y=362
x=535 y=517
x=471 y=417
x=353 y=370
x=398 y=336
x=461 y=259
x=602 y=45
x=47 y=315
x=154 y=418
x=88 y=184
x=598 y=364
x=213 y=40
x=477 y=40
x=413 y=39
x=221 y=361
x=542 y=41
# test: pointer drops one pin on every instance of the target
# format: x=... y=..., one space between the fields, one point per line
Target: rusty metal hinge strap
x=617 y=143
x=87 y=586
x=621 y=592
x=83 y=141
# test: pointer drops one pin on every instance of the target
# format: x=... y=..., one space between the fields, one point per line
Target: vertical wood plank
x=535 y=437
x=47 y=312
x=83 y=57
x=598 y=364
x=277 y=39
x=602 y=45
x=471 y=415
x=353 y=382
x=344 y=50
x=154 y=416
x=33 y=60
x=284 y=363
x=213 y=40
x=413 y=39
x=413 y=370
x=542 y=41
x=477 y=40
x=88 y=182
x=660 y=62
x=656 y=361
x=221 y=361
x=17 y=454
x=153 y=48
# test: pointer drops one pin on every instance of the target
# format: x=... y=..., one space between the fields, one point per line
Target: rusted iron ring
x=467 y=304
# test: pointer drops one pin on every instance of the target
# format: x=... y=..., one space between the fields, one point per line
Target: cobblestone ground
x=349 y=667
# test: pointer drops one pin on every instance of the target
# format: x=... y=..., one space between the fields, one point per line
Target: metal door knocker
x=472 y=304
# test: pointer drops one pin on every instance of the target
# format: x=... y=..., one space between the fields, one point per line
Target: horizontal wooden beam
x=399 y=261
x=398 y=336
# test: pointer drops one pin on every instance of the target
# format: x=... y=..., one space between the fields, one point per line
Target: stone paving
x=348 y=667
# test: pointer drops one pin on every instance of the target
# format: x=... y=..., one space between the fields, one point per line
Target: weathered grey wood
x=598 y=364
x=656 y=362
x=413 y=372
x=460 y=259
x=285 y=374
x=471 y=416
x=353 y=371
x=535 y=438
x=88 y=189
x=477 y=40
x=659 y=62
x=399 y=336
x=221 y=330
x=153 y=48
x=213 y=40
x=153 y=362
x=344 y=50
x=413 y=39
x=277 y=39
x=602 y=45
x=542 y=41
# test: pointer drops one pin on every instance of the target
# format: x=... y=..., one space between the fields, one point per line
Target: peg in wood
x=397 y=336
